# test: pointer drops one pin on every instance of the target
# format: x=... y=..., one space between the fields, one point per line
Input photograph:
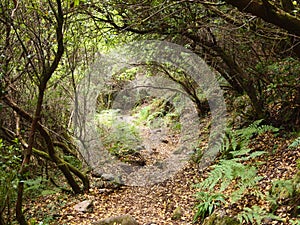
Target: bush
x=10 y=161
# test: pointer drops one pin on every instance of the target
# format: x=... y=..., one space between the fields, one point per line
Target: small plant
x=282 y=189
x=237 y=141
x=255 y=215
x=294 y=222
x=10 y=161
x=295 y=143
x=207 y=203
x=157 y=113
x=285 y=192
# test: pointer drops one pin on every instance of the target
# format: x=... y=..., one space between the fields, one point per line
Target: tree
x=233 y=43
x=34 y=47
x=268 y=11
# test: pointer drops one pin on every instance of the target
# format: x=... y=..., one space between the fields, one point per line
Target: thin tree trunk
x=27 y=154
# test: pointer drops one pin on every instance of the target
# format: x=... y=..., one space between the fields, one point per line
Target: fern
x=255 y=129
x=234 y=151
x=255 y=215
x=295 y=143
x=283 y=187
x=235 y=143
x=207 y=203
x=294 y=222
x=225 y=172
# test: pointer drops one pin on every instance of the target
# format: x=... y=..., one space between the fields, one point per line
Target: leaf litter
x=156 y=204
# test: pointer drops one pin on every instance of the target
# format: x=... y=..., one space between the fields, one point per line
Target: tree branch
x=270 y=13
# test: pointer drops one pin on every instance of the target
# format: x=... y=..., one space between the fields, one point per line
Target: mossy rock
x=117 y=220
x=177 y=213
x=214 y=219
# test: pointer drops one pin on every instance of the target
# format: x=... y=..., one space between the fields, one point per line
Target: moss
x=122 y=220
x=177 y=213
x=216 y=220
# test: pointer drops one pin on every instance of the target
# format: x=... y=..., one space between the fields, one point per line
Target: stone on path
x=84 y=206
x=122 y=220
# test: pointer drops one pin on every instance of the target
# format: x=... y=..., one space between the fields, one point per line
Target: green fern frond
x=207 y=203
x=294 y=222
x=281 y=189
x=235 y=150
x=235 y=142
x=226 y=171
x=254 y=129
x=255 y=215
x=295 y=143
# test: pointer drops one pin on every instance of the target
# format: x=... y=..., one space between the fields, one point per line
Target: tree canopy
x=47 y=47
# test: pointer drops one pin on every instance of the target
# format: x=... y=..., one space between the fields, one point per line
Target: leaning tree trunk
x=65 y=167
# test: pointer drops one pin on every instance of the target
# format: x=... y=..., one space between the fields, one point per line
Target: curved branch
x=49 y=143
x=270 y=13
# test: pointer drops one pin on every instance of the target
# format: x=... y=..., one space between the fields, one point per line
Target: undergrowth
x=120 y=137
x=232 y=171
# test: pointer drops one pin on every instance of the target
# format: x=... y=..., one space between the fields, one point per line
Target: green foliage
x=294 y=222
x=282 y=189
x=10 y=161
x=236 y=141
x=255 y=215
x=120 y=133
x=127 y=75
x=207 y=203
x=38 y=186
x=234 y=151
x=73 y=161
x=281 y=91
x=255 y=128
x=157 y=113
x=295 y=143
x=119 y=136
x=225 y=172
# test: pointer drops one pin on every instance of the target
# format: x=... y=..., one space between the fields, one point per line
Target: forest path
x=153 y=204
x=156 y=204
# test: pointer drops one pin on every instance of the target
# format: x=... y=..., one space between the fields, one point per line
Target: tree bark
x=270 y=13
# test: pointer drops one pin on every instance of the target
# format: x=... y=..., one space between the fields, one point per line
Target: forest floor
x=156 y=204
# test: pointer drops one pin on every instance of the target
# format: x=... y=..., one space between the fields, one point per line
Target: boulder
x=215 y=219
x=84 y=206
x=117 y=220
x=108 y=177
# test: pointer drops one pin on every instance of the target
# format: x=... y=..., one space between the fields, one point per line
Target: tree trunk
x=81 y=176
x=49 y=143
x=27 y=154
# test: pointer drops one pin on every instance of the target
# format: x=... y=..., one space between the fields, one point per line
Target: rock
x=120 y=220
x=215 y=219
x=84 y=206
x=112 y=179
x=177 y=213
x=140 y=148
x=108 y=177
x=96 y=173
x=164 y=141
x=99 y=184
x=104 y=191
